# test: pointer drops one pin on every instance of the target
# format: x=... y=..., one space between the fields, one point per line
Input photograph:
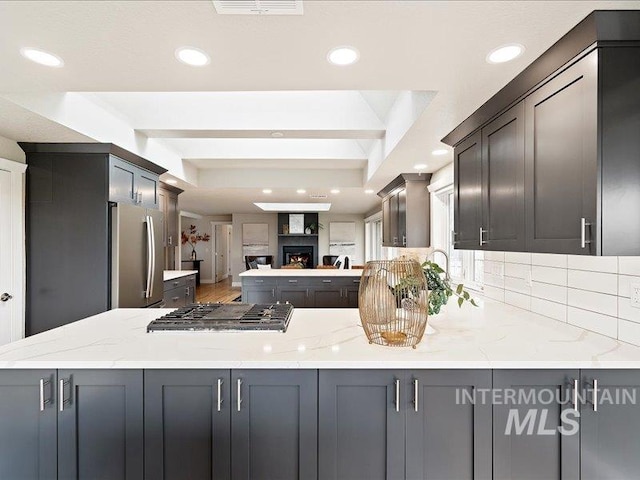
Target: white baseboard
x=236 y=284
x=206 y=280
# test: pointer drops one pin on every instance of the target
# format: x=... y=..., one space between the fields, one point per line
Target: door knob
x=5 y=297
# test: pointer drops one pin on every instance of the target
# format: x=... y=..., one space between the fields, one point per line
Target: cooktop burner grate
x=207 y=317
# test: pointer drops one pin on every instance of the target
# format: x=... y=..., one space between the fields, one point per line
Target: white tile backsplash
x=593 y=281
x=589 y=292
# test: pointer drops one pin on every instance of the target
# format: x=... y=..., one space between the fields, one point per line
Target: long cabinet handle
x=43 y=401
x=153 y=264
x=482 y=232
x=397 y=395
x=575 y=394
x=220 y=382
x=416 y=389
x=595 y=395
x=61 y=399
x=147 y=293
x=583 y=233
x=239 y=406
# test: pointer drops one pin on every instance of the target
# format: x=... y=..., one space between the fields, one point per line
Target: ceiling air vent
x=258 y=7
x=317 y=196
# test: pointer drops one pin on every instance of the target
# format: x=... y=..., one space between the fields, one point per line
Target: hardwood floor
x=217 y=292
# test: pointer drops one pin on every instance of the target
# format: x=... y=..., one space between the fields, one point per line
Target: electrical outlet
x=635 y=294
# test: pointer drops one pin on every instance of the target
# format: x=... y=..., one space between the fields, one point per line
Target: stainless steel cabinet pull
x=395 y=240
x=239 y=394
x=176 y=283
x=273 y=292
x=43 y=401
x=169 y=239
x=326 y=281
x=482 y=232
x=356 y=281
x=583 y=233
x=259 y=281
x=595 y=395
x=175 y=299
x=293 y=281
x=220 y=382
x=404 y=240
x=415 y=394
x=397 y=397
x=575 y=394
x=61 y=398
x=188 y=292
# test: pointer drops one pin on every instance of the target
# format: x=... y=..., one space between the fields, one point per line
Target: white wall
x=323 y=235
x=237 y=260
x=204 y=250
x=10 y=150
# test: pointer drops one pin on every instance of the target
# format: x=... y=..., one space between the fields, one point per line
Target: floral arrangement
x=192 y=236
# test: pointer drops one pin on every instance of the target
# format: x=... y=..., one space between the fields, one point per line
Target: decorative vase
x=285 y=229
x=193 y=254
x=393 y=302
x=307 y=230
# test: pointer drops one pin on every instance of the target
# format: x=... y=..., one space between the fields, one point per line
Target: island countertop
x=173 y=274
x=302 y=272
x=494 y=335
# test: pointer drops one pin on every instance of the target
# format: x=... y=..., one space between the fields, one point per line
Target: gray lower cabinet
x=274 y=422
x=526 y=440
x=361 y=430
x=187 y=424
x=100 y=424
x=28 y=417
x=180 y=292
x=609 y=436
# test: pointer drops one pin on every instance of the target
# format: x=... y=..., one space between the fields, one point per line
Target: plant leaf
x=459 y=289
x=460 y=300
x=473 y=302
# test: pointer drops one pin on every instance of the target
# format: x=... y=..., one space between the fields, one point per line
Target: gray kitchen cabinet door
x=100 y=424
x=28 y=425
x=361 y=425
x=351 y=294
x=610 y=435
x=387 y=240
x=187 y=424
x=503 y=181
x=448 y=436
x=467 y=197
x=527 y=444
x=147 y=188
x=328 y=293
x=176 y=297
x=299 y=297
x=190 y=293
x=255 y=294
x=274 y=422
x=122 y=180
x=561 y=161
x=402 y=217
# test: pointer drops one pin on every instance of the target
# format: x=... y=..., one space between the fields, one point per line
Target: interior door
x=221 y=250
x=6 y=303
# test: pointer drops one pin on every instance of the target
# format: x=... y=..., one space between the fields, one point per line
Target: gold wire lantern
x=393 y=302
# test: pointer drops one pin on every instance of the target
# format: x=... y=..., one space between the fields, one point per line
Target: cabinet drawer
x=176 y=282
x=337 y=281
x=296 y=281
x=190 y=281
x=266 y=282
x=175 y=298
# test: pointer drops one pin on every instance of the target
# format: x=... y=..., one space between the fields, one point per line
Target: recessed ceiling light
x=343 y=56
x=277 y=134
x=301 y=190
x=293 y=207
x=368 y=191
x=505 y=53
x=420 y=166
x=267 y=190
x=440 y=151
x=192 y=56
x=171 y=181
x=40 y=56
x=335 y=190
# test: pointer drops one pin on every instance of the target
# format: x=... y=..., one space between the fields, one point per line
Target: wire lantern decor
x=393 y=302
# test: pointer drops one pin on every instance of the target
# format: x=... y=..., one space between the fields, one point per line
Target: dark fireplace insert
x=298 y=254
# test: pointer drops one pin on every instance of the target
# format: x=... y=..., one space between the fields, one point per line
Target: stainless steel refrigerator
x=137 y=260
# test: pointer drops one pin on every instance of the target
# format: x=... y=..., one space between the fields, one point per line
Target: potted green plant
x=315 y=227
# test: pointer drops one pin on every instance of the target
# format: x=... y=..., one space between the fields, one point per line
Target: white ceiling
x=422 y=71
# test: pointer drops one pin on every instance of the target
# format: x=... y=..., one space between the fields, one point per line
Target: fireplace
x=301 y=254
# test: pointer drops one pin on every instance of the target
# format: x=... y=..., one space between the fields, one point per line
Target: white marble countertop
x=303 y=272
x=173 y=274
x=492 y=336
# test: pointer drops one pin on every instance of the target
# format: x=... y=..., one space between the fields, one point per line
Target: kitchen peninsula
x=302 y=287
x=233 y=401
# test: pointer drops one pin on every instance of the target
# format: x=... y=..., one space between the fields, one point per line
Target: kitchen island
x=302 y=287
x=319 y=398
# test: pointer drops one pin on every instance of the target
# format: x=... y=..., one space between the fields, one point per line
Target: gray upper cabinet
x=561 y=156
x=28 y=424
x=609 y=433
x=503 y=221
x=467 y=193
x=405 y=211
x=580 y=121
x=275 y=424
x=129 y=183
x=168 y=204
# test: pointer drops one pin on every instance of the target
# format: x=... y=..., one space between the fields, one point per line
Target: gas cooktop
x=216 y=317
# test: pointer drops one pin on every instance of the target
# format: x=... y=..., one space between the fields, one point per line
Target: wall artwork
x=255 y=239
x=342 y=238
x=296 y=223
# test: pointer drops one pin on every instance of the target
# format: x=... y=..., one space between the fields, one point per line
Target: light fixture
x=368 y=191
x=171 y=181
x=277 y=134
x=335 y=191
x=40 y=56
x=192 y=56
x=267 y=190
x=293 y=207
x=440 y=151
x=420 y=166
x=343 y=56
x=301 y=190
x=505 y=53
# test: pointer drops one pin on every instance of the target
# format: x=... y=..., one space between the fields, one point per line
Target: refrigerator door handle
x=147 y=292
x=153 y=263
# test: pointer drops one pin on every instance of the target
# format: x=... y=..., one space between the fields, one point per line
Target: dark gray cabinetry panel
x=352 y=292
x=298 y=296
x=180 y=291
x=175 y=298
x=361 y=427
x=100 y=424
x=402 y=217
x=387 y=240
x=534 y=456
x=168 y=204
x=392 y=219
x=28 y=425
x=122 y=181
x=609 y=436
x=503 y=181
x=467 y=196
x=330 y=294
x=448 y=438
x=561 y=158
x=147 y=184
x=187 y=424
x=275 y=424
x=259 y=295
